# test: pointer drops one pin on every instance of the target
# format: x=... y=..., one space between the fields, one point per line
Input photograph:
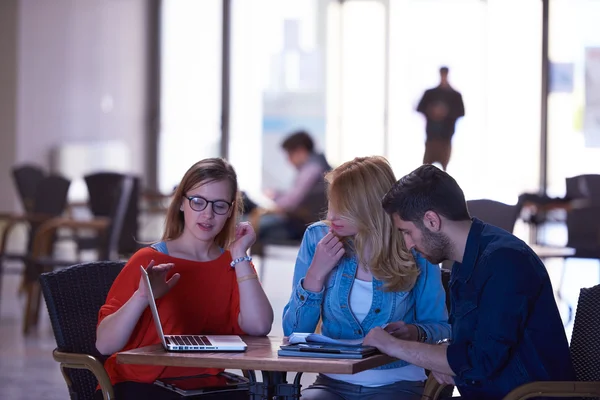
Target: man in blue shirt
x=506 y=328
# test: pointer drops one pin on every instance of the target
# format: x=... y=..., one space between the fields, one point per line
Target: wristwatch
x=444 y=341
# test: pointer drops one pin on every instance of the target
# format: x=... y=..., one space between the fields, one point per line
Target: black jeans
x=143 y=391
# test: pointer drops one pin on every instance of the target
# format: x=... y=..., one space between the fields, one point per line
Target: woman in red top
x=197 y=290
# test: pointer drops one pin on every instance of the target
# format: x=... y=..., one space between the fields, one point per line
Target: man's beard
x=436 y=246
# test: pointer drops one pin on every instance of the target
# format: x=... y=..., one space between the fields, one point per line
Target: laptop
x=190 y=342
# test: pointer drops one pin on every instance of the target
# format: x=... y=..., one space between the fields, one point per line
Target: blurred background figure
x=293 y=210
x=442 y=107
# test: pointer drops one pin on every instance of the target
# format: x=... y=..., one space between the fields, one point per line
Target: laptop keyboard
x=190 y=340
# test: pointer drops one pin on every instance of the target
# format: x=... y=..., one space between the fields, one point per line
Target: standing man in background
x=442 y=107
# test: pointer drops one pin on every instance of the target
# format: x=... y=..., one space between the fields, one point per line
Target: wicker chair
x=585 y=353
x=74 y=296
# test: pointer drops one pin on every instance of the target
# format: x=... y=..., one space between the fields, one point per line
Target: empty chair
x=108 y=230
x=115 y=196
x=494 y=213
x=48 y=200
x=26 y=178
x=584 y=187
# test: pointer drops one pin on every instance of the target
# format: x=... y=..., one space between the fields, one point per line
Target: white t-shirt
x=361 y=297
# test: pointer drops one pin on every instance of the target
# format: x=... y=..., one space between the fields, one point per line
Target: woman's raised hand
x=327 y=255
x=158 y=274
x=244 y=238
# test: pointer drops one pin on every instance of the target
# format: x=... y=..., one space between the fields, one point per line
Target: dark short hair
x=427 y=188
x=298 y=140
x=444 y=70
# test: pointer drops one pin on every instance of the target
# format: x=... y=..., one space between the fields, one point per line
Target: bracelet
x=247 y=277
x=238 y=260
x=422 y=335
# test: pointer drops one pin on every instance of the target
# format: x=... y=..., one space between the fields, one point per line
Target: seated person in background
x=354 y=273
x=305 y=200
x=198 y=291
x=506 y=328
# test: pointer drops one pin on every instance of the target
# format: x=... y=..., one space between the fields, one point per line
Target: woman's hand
x=157 y=275
x=328 y=253
x=244 y=238
x=402 y=330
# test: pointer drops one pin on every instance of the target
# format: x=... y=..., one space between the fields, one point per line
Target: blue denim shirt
x=424 y=305
x=506 y=327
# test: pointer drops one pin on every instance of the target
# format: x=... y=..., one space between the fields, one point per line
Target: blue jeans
x=326 y=388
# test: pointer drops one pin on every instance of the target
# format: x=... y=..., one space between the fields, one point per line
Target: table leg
x=287 y=391
x=258 y=390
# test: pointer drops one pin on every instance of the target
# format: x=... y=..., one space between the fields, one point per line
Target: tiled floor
x=27 y=370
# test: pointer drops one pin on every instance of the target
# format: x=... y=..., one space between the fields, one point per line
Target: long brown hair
x=355 y=191
x=205 y=171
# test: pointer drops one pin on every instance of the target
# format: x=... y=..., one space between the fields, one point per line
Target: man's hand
x=443 y=378
x=379 y=338
x=402 y=330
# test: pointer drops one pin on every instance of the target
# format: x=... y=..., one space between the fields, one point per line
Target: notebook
x=190 y=342
x=326 y=350
x=300 y=337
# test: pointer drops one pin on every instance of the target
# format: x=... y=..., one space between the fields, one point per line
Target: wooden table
x=261 y=355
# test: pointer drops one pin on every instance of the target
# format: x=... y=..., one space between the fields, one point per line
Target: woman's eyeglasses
x=199 y=203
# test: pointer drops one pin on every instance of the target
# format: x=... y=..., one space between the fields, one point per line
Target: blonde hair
x=355 y=191
x=205 y=171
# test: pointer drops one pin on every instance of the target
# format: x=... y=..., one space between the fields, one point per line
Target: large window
x=495 y=149
x=356 y=79
x=277 y=80
x=383 y=54
x=573 y=128
x=190 y=86
x=351 y=73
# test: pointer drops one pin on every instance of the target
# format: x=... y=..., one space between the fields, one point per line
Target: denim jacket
x=506 y=327
x=424 y=305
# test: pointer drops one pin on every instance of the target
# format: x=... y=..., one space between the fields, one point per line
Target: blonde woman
x=354 y=272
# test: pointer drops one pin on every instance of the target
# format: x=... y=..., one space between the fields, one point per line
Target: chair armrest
x=25 y=217
x=432 y=389
x=42 y=240
x=555 y=389
x=85 y=361
x=13 y=220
